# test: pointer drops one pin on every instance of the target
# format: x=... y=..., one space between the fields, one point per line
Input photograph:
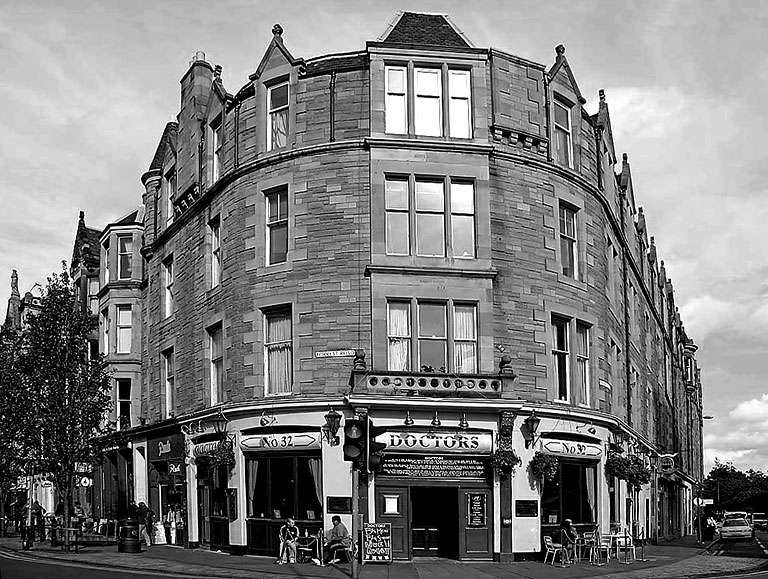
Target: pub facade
x=432 y=235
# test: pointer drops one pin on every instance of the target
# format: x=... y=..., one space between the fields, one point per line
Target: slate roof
x=425 y=29
x=336 y=63
x=86 y=245
x=169 y=137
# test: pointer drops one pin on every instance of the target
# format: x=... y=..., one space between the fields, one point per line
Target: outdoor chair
x=554 y=548
x=602 y=544
x=625 y=544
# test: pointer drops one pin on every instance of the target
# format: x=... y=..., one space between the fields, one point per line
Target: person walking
x=146 y=522
x=38 y=522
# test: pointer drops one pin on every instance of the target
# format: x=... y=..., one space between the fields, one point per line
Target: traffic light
x=354 y=442
x=375 y=457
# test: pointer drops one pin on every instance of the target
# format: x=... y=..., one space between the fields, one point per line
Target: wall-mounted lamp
x=530 y=426
x=435 y=420
x=463 y=424
x=408 y=420
x=619 y=436
x=219 y=423
x=332 y=423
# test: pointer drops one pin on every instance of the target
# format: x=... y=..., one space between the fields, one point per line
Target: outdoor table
x=307 y=547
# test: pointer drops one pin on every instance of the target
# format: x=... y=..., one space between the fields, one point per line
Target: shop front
x=283 y=478
x=167 y=485
x=435 y=489
x=112 y=483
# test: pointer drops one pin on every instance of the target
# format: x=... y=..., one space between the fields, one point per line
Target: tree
x=733 y=489
x=70 y=391
x=14 y=407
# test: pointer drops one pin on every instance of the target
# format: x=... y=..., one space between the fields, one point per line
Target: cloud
x=755 y=410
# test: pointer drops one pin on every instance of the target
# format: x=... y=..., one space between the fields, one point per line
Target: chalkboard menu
x=377 y=542
x=434 y=466
x=526 y=508
x=476 y=512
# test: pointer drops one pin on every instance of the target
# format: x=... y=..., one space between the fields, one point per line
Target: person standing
x=38 y=523
x=289 y=535
x=338 y=538
x=146 y=522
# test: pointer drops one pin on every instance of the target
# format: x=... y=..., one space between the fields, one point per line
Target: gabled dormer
x=216 y=129
x=275 y=85
x=606 y=153
x=161 y=185
x=84 y=267
x=564 y=101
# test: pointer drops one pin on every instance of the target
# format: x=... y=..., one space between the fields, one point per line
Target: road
x=21 y=566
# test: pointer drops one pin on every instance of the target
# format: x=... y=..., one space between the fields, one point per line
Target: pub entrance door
x=435 y=522
x=204 y=514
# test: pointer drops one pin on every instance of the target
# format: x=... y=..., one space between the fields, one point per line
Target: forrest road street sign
x=334 y=353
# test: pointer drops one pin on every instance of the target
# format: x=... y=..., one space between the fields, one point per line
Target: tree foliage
x=733 y=489
x=70 y=392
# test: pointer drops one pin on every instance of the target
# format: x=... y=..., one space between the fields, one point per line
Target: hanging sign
x=377 y=542
x=570 y=448
x=286 y=441
x=448 y=442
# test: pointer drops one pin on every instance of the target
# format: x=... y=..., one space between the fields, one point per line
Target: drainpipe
x=332 y=115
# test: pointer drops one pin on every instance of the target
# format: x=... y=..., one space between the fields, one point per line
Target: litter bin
x=128 y=541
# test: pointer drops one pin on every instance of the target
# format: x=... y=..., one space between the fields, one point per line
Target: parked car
x=759 y=521
x=735 y=529
x=735 y=515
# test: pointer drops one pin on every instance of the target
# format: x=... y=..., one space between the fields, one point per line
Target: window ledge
x=275 y=267
x=575 y=283
x=487 y=273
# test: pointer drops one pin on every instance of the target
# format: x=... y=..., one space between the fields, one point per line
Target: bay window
x=124 y=330
x=124 y=256
x=569 y=255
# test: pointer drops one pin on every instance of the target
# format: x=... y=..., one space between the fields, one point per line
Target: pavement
x=680 y=559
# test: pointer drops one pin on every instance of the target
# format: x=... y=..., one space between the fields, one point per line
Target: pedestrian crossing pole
x=355 y=517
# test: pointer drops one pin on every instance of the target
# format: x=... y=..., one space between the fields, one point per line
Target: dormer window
x=277 y=122
x=169 y=190
x=562 y=133
x=217 y=138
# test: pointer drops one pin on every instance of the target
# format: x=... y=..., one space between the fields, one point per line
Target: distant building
x=430 y=234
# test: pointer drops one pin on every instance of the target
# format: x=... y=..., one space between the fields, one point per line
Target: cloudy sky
x=88 y=87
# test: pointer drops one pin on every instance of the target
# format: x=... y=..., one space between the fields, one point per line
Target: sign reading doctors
x=436 y=442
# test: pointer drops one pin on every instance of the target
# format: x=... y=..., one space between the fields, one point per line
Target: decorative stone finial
x=601 y=92
x=14 y=283
x=82 y=216
x=217 y=71
x=640 y=209
x=624 y=157
x=277 y=30
x=560 y=50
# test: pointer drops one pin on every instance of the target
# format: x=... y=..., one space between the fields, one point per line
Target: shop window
x=216 y=356
x=562 y=133
x=124 y=256
x=123 y=403
x=277 y=226
x=278 y=487
x=421 y=204
x=124 y=329
x=168 y=280
x=572 y=494
x=277 y=122
x=446 y=336
x=278 y=351
x=214 y=234
x=169 y=381
x=569 y=254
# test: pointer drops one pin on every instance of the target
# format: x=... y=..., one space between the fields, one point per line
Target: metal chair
x=554 y=548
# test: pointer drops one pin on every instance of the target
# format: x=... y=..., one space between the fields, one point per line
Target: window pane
x=428 y=82
x=465 y=357
x=396 y=80
x=462 y=197
x=123 y=316
x=562 y=115
x=427 y=116
x=398 y=238
x=464 y=323
x=278 y=243
x=429 y=196
x=459 y=83
x=562 y=147
x=567 y=221
x=432 y=353
x=566 y=256
x=123 y=389
x=309 y=487
x=279 y=121
x=124 y=340
x=396 y=194
x=430 y=235
x=399 y=332
x=561 y=335
x=463 y=235
x=459 y=118
x=278 y=96
x=432 y=320
x=395 y=114
x=561 y=367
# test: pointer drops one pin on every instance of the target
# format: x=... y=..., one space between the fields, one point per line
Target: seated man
x=569 y=536
x=289 y=534
x=338 y=538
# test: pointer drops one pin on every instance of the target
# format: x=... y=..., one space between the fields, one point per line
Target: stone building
x=435 y=236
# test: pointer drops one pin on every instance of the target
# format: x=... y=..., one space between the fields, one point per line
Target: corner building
x=437 y=236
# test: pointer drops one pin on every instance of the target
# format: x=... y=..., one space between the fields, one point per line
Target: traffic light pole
x=355 y=518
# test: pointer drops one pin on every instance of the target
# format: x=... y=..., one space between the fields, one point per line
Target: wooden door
x=204 y=514
x=392 y=506
x=476 y=516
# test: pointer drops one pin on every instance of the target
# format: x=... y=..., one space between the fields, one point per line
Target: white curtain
x=590 y=476
x=582 y=362
x=399 y=337
x=464 y=340
x=279 y=353
x=252 y=472
x=314 y=469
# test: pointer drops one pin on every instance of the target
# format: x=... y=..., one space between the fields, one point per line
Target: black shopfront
x=167 y=479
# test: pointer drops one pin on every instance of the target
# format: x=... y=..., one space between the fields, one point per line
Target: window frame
x=561 y=352
x=275 y=314
x=273 y=112
x=401 y=96
x=423 y=97
x=128 y=253
x=169 y=186
x=214 y=232
x=566 y=130
x=123 y=331
x=414 y=336
x=169 y=278
x=105 y=329
x=216 y=363
x=93 y=296
x=572 y=241
x=105 y=246
x=217 y=141
x=452 y=99
x=121 y=402
x=279 y=222
x=169 y=381
x=582 y=361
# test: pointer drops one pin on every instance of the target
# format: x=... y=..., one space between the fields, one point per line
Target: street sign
x=697 y=502
x=334 y=353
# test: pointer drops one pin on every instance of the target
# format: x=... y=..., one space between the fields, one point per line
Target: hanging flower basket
x=543 y=466
x=504 y=460
x=628 y=468
x=223 y=454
